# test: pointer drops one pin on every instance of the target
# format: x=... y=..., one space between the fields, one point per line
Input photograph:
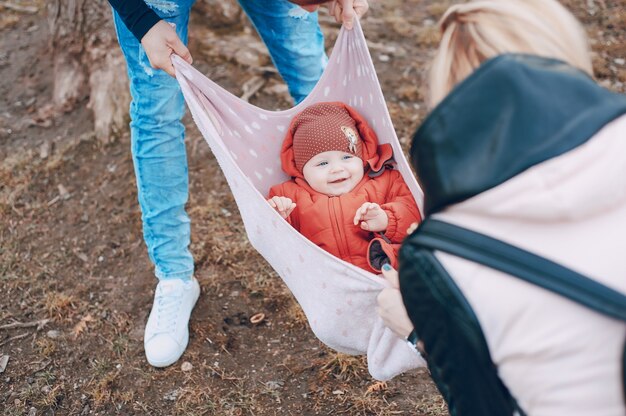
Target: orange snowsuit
x=328 y=221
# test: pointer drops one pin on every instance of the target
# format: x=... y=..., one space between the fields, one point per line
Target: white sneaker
x=167 y=330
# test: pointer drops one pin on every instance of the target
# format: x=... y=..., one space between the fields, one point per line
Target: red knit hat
x=324 y=127
x=318 y=129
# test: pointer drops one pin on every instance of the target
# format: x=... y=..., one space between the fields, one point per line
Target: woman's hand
x=390 y=306
x=372 y=217
x=282 y=204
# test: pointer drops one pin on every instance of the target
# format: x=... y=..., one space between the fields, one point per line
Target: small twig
x=288 y=369
x=42 y=366
x=17 y=211
x=24 y=335
x=222 y=374
x=54 y=200
x=39 y=324
x=18 y=8
x=225 y=350
x=251 y=87
x=265 y=70
x=82 y=256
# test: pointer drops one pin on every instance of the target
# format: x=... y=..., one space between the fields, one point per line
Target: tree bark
x=87 y=62
x=220 y=14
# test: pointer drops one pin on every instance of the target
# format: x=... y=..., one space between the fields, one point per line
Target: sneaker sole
x=170 y=361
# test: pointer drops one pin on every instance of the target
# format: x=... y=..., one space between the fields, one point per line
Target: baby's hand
x=372 y=217
x=282 y=204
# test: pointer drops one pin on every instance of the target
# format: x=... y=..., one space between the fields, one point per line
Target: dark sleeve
x=136 y=15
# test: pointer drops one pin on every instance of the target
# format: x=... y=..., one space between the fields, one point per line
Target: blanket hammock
x=338 y=299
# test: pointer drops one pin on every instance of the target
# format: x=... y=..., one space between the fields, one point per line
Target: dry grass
x=367 y=405
x=52 y=396
x=342 y=367
x=46 y=347
x=295 y=317
x=59 y=306
x=101 y=388
x=196 y=400
x=431 y=405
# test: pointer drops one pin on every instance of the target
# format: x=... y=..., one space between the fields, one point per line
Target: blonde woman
x=525 y=147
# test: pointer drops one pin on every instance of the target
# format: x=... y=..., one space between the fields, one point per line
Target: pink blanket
x=338 y=298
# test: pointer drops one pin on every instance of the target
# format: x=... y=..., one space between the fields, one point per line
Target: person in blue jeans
x=147 y=38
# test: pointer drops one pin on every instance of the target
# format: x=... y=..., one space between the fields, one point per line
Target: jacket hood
x=374 y=156
x=587 y=182
x=512 y=113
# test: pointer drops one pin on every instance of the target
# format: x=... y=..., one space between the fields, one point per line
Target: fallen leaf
x=378 y=386
x=81 y=326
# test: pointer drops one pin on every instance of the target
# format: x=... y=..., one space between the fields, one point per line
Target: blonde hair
x=475 y=31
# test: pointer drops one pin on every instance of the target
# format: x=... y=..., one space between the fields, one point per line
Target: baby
x=344 y=195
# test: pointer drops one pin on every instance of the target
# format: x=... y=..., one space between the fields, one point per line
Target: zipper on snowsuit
x=340 y=236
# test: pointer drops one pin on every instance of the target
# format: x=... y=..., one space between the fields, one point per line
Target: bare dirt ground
x=76 y=284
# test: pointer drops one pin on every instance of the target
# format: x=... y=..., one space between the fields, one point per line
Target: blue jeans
x=296 y=46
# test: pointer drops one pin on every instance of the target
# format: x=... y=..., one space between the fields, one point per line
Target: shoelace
x=167 y=308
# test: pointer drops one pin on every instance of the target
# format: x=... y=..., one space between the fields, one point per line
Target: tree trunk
x=87 y=62
x=219 y=14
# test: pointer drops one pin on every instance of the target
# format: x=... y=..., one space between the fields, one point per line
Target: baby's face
x=333 y=173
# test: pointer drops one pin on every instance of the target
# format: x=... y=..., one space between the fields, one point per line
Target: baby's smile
x=333 y=172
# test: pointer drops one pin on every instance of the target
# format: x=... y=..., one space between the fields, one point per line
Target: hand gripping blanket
x=339 y=299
